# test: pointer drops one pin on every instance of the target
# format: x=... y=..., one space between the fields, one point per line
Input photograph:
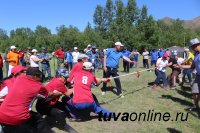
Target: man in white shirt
x=145 y=55
x=75 y=55
x=161 y=65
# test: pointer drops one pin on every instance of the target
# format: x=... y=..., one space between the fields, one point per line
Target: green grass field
x=140 y=98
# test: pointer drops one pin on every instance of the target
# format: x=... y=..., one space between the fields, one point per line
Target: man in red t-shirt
x=21 y=57
x=1 y=68
x=79 y=65
x=14 y=111
x=60 y=55
x=82 y=96
x=9 y=81
x=53 y=107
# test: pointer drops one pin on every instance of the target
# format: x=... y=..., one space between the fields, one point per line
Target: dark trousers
x=161 y=75
x=1 y=74
x=36 y=124
x=146 y=63
x=69 y=66
x=54 y=111
x=112 y=72
x=126 y=66
x=153 y=62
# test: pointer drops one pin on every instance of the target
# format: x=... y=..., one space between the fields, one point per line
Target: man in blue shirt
x=45 y=64
x=69 y=59
x=111 y=62
x=126 y=64
x=195 y=45
x=154 y=57
x=161 y=53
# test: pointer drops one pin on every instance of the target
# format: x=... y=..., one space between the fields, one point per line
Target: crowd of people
x=26 y=82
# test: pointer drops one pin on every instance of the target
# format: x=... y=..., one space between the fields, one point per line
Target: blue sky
x=53 y=13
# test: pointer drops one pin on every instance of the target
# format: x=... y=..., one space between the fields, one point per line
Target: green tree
x=98 y=19
x=132 y=12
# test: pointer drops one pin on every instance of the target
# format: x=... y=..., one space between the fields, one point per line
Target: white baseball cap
x=118 y=44
x=75 y=48
x=186 y=49
x=12 y=47
x=194 y=41
x=88 y=45
x=34 y=50
x=81 y=56
x=87 y=66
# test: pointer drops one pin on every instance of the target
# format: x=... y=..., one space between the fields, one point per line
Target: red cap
x=165 y=55
x=18 y=69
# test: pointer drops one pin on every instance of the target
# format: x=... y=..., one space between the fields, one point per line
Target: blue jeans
x=187 y=72
x=161 y=75
x=76 y=109
x=46 y=68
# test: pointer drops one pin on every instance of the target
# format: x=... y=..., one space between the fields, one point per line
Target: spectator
x=87 y=49
x=12 y=58
x=6 y=63
x=154 y=57
x=60 y=55
x=135 y=56
x=69 y=59
x=75 y=55
x=145 y=55
x=34 y=60
x=46 y=68
x=27 y=56
x=160 y=53
x=93 y=58
x=126 y=64
x=111 y=62
x=21 y=57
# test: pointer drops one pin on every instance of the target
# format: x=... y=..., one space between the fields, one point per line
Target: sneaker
x=173 y=87
x=193 y=109
x=166 y=88
x=154 y=87
x=103 y=93
x=121 y=95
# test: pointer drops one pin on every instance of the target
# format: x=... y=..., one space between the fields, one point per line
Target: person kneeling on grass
x=9 y=81
x=83 y=100
x=52 y=107
x=161 y=65
x=15 y=114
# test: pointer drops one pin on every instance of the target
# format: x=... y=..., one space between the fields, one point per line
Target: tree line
x=116 y=21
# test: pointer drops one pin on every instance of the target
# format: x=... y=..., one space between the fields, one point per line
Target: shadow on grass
x=184 y=93
x=193 y=113
x=173 y=130
x=128 y=93
x=186 y=88
x=53 y=122
x=113 y=90
x=175 y=99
